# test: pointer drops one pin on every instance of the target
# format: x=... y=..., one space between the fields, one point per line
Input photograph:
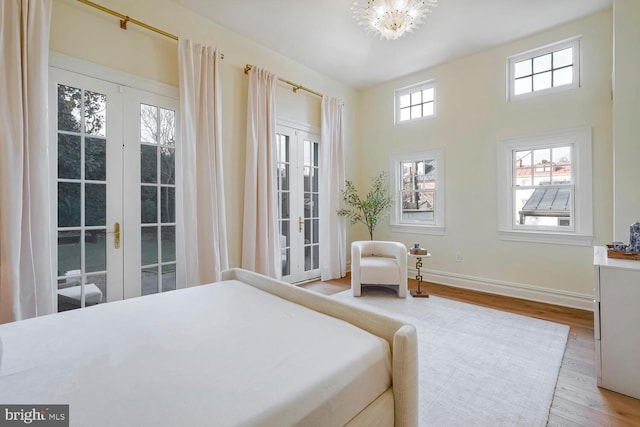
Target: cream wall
x=80 y=31
x=626 y=116
x=473 y=116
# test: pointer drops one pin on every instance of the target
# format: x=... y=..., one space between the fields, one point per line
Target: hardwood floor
x=577 y=399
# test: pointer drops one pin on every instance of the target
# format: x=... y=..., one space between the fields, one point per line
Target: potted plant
x=370 y=209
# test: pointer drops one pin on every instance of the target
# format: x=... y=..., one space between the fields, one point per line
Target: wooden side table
x=419 y=293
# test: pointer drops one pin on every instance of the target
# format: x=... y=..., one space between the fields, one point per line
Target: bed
x=245 y=351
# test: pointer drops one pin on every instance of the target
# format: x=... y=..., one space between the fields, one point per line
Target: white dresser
x=617 y=323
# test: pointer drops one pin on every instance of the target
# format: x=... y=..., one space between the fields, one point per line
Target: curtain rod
x=296 y=86
x=124 y=19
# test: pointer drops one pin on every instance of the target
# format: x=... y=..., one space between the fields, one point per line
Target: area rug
x=478 y=366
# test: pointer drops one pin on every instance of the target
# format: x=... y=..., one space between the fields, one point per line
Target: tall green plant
x=370 y=210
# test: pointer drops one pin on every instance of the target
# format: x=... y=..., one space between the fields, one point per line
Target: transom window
x=415 y=102
x=544 y=188
x=545 y=69
x=418 y=181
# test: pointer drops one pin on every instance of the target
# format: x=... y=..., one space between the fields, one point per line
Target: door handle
x=116 y=235
x=300 y=224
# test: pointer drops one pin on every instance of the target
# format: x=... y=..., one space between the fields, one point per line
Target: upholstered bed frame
x=399 y=404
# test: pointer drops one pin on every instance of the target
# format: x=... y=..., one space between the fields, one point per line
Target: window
x=418 y=182
x=415 y=102
x=544 y=188
x=549 y=68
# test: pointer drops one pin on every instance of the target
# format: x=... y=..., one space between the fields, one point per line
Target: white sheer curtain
x=260 y=240
x=26 y=265
x=333 y=238
x=202 y=245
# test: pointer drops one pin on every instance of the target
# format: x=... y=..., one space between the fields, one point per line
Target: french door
x=113 y=160
x=298 y=193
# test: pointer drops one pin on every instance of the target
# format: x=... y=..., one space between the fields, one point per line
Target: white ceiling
x=323 y=35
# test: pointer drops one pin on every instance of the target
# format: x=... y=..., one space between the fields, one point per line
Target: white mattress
x=225 y=354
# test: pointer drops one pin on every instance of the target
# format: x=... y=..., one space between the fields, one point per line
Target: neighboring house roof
x=543 y=169
x=547 y=201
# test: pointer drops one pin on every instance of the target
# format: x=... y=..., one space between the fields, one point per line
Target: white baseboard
x=510 y=289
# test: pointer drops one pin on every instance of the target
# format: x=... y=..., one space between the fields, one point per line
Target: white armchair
x=378 y=263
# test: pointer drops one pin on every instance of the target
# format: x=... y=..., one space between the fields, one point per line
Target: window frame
x=581 y=231
x=396 y=222
x=574 y=42
x=407 y=90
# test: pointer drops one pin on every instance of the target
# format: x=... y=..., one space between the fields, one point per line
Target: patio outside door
x=298 y=192
x=113 y=155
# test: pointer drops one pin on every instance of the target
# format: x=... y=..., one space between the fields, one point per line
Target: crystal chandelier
x=391 y=18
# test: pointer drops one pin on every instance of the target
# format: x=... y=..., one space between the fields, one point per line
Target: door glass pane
x=284 y=205
x=315 y=231
x=167 y=127
x=95 y=155
x=316 y=184
x=307 y=166
x=148 y=124
x=69 y=252
x=167 y=204
x=315 y=200
x=316 y=257
x=93 y=295
x=148 y=164
x=69 y=293
x=307 y=205
x=148 y=204
x=168 y=242
x=167 y=165
x=149 y=282
x=95 y=205
x=149 y=241
x=69 y=153
x=69 y=108
x=307 y=258
x=285 y=226
x=96 y=249
x=95 y=107
x=68 y=204
x=168 y=277
x=283 y=177
x=308 y=237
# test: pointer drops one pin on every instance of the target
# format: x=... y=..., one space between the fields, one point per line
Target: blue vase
x=634 y=237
